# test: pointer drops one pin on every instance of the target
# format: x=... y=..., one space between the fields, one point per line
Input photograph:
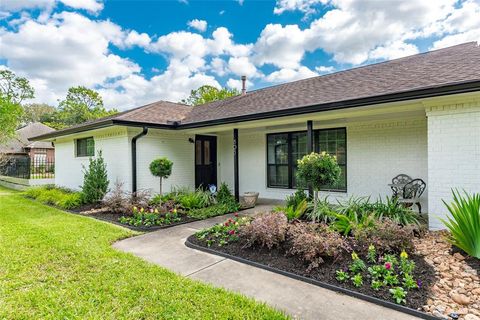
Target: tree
x=13 y=91
x=80 y=105
x=162 y=168
x=95 y=180
x=208 y=93
x=36 y=112
x=318 y=170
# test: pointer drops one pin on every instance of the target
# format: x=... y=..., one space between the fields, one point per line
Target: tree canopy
x=80 y=105
x=208 y=93
x=36 y=112
x=13 y=90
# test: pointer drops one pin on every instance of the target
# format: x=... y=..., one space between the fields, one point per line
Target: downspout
x=134 y=158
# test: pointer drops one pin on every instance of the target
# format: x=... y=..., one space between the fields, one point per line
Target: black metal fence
x=26 y=168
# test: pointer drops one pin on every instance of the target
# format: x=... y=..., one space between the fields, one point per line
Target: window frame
x=86 y=155
x=291 y=165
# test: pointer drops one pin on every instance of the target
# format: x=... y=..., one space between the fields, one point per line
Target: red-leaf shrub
x=314 y=242
x=387 y=237
x=267 y=230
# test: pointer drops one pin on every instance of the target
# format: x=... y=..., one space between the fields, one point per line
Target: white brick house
x=418 y=115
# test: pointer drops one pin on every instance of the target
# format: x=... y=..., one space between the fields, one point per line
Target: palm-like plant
x=464 y=223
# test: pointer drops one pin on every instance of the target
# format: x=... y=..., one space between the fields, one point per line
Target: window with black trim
x=85 y=147
x=284 y=149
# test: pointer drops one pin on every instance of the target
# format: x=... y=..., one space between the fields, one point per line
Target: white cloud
x=137 y=39
x=242 y=66
x=17 y=5
x=305 y=6
x=325 y=69
x=89 y=5
x=393 y=50
x=283 y=47
x=219 y=66
x=200 y=25
x=286 y=74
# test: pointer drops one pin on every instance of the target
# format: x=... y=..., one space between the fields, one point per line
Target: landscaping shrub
x=464 y=223
x=95 y=180
x=51 y=195
x=293 y=212
x=345 y=223
x=224 y=233
x=318 y=170
x=391 y=209
x=267 y=230
x=161 y=168
x=195 y=200
x=322 y=212
x=213 y=210
x=386 y=236
x=312 y=243
x=295 y=199
x=117 y=201
x=224 y=195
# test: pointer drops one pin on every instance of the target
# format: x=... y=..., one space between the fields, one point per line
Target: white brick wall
x=376 y=152
x=453 y=154
x=115 y=148
x=173 y=145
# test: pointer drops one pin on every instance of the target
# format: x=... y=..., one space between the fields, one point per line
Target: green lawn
x=55 y=265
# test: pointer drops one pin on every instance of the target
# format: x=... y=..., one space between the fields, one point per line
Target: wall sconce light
x=191 y=140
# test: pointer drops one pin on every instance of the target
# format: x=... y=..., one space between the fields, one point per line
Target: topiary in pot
x=319 y=170
x=162 y=168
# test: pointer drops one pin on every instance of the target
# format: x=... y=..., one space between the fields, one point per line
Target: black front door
x=205 y=161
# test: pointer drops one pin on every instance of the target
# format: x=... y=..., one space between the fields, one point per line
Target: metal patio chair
x=412 y=192
x=398 y=184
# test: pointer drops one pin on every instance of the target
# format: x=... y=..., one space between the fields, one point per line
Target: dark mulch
x=277 y=258
x=114 y=218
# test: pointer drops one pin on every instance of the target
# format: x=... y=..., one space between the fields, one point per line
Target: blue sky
x=135 y=52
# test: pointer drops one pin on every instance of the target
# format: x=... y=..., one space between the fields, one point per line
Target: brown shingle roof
x=451 y=65
x=441 y=71
x=22 y=139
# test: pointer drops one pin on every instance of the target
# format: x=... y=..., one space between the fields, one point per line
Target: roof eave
x=463 y=87
x=431 y=92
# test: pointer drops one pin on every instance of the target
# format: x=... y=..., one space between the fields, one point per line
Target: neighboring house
x=21 y=146
x=418 y=115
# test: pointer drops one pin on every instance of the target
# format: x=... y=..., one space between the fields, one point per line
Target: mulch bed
x=95 y=211
x=277 y=258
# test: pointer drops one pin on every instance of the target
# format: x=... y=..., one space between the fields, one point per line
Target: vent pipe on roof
x=244 y=85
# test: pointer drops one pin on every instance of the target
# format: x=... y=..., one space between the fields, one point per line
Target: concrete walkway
x=299 y=299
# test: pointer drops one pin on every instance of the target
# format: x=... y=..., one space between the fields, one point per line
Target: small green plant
x=371 y=254
x=376 y=271
x=55 y=196
x=358 y=265
x=341 y=275
x=390 y=279
x=357 y=280
x=292 y=212
x=162 y=168
x=376 y=285
x=409 y=282
x=195 y=200
x=95 y=179
x=295 y=199
x=464 y=222
x=406 y=266
x=399 y=295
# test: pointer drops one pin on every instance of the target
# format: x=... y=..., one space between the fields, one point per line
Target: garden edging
x=328 y=286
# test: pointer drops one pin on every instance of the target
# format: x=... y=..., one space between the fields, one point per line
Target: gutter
x=134 y=158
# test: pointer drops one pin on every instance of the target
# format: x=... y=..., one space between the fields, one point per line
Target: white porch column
x=453 y=153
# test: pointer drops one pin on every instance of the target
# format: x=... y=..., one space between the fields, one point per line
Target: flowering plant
x=223 y=233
